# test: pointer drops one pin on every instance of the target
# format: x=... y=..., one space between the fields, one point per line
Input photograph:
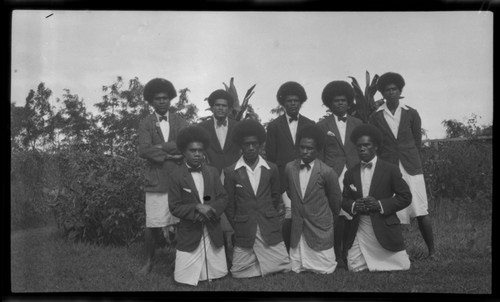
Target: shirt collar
x=261 y=163
x=215 y=121
x=310 y=164
x=384 y=106
x=337 y=118
x=288 y=117
x=373 y=161
x=167 y=115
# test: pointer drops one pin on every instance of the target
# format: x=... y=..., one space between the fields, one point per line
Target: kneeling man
x=198 y=198
x=255 y=208
x=315 y=195
x=374 y=191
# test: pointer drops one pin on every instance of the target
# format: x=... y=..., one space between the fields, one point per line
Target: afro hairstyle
x=390 y=78
x=158 y=85
x=246 y=128
x=337 y=88
x=367 y=130
x=220 y=94
x=192 y=134
x=291 y=88
x=311 y=131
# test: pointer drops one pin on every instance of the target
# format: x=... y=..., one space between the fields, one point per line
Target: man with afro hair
x=157 y=135
x=281 y=137
x=315 y=195
x=339 y=152
x=198 y=198
x=374 y=191
x=255 y=207
x=401 y=130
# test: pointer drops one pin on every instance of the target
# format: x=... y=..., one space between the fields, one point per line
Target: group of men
x=326 y=194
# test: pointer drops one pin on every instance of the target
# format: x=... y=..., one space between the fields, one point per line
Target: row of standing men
x=284 y=212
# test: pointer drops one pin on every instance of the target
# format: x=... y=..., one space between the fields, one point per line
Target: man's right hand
x=206 y=211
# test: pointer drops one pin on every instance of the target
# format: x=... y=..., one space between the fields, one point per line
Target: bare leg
x=149 y=249
x=338 y=238
x=425 y=226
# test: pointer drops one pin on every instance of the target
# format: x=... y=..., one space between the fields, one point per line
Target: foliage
x=187 y=111
x=239 y=109
x=100 y=198
x=365 y=103
x=455 y=129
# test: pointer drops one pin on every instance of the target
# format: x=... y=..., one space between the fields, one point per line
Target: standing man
x=281 y=138
x=157 y=136
x=402 y=139
x=198 y=199
x=339 y=152
x=373 y=192
x=253 y=189
x=315 y=195
x=222 y=152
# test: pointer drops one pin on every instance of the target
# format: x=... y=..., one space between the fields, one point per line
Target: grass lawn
x=43 y=262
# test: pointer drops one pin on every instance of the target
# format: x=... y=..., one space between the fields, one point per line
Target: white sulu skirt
x=419 y=204
x=157 y=212
x=304 y=258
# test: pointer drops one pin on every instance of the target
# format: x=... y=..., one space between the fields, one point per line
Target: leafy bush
x=100 y=199
x=458 y=169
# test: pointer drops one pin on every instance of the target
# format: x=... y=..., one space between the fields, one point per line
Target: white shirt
x=221 y=132
x=292 y=125
x=341 y=125
x=304 y=175
x=393 y=120
x=198 y=182
x=164 y=125
x=366 y=181
x=253 y=175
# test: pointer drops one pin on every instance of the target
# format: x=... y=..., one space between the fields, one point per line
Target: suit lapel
x=214 y=139
x=295 y=176
x=207 y=181
x=332 y=125
x=156 y=126
x=286 y=129
x=189 y=180
x=402 y=120
x=348 y=130
x=265 y=178
x=380 y=116
x=245 y=182
x=313 y=179
x=377 y=175
x=356 y=175
x=230 y=128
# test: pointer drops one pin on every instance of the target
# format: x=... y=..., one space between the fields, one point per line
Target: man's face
x=292 y=105
x=194 y=154
x=161 y=103
x=220 y=109
x=250 y=147
x=366 y=148
x=307 y=149
x=391 y=93
x=339 y=105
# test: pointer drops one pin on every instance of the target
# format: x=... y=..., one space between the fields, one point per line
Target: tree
x=17 y=125
x=186 y=110
x=73 y=120
x=39 y=123
x=455 y=129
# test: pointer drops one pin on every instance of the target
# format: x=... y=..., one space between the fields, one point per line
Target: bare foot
x=146 y=269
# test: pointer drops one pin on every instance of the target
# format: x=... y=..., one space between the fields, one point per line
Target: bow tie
x=194 y=170
x=308 y=166
x=294 y=118
x=163 y=118
x=366 y=165
x=223 y=123
x=342 y=119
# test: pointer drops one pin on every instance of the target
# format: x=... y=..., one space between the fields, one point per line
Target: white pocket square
x=353 y=187
x=187 y=190
x=239 y=186
x=330 y=133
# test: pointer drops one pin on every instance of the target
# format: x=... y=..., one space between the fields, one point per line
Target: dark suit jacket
x=280 y=148
x=394 y=194
x=313 y=213
x=246 y=210
x=406 y=147
x=335 y=153
x=157 y=168
x=182 y=200
x=218 y=157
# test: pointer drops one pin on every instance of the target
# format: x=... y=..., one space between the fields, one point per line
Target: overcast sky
x=446 y=58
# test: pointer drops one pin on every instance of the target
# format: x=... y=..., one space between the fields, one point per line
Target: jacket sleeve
x=146 y=148
x=348 y=196
x=220 y=201
x=271 y=143
x=177 y=206
x=333 y=191
x=231 y=200
x=402 y=193
x=321 y=154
